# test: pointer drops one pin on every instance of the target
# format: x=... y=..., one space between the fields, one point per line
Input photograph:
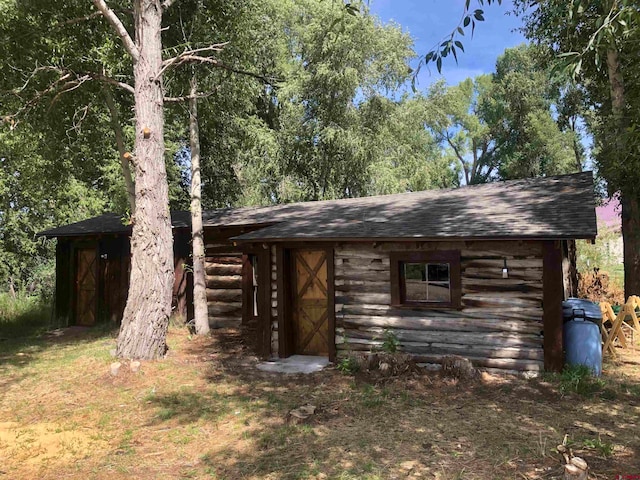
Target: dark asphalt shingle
x=547 y=207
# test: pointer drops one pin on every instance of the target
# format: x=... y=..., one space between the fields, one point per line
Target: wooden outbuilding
x=478 y=271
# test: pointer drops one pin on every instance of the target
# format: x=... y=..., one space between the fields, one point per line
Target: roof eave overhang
x=239 y=239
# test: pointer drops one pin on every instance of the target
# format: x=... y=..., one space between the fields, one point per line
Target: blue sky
x=430 y=21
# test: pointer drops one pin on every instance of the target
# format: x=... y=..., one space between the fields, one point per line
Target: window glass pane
x=254 y=269
x=439 y=292
x=438 y=272
x=415 y=276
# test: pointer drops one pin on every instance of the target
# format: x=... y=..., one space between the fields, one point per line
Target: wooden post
x=283 y=280
x=331 y=297
x=552 y=296
x=264 y=303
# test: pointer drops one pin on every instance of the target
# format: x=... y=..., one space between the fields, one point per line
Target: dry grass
x=206 y=412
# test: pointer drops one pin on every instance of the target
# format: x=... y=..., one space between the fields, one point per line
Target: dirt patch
x=35 y=446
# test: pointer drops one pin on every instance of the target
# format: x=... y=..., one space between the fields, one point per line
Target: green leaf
x=467 y=21
x=478 y=14
x=459 y=45
x=460 y=31
x=439 y=64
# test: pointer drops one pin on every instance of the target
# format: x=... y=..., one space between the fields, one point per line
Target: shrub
x=391 y=342
x=348 y=365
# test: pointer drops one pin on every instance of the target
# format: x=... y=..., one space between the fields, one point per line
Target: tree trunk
x=628 y=195
x=146 y=315
x=201 y=314
x=616 y=86
x=122 y=151
x=631 y=238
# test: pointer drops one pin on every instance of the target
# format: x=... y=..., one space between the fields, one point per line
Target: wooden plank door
x=86 y=286
x=310 y=313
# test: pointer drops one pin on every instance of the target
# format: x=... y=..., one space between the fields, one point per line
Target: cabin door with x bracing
x=86 y=286
x=310 y=305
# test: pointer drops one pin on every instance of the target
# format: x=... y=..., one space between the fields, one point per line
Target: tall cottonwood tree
x=597 y=42
x=501 y=125
x=146 y=316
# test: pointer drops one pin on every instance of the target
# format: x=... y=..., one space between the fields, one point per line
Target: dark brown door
x=310 y=314
x=86 y=286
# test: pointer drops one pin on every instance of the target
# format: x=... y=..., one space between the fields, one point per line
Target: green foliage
x=451 y=46
x=502 y=126
x=391 y=342
x=348 y=365
x=579 y=379
x=318 y=133
x=307 y=107
x=597 y=44
x=600 y=255
x=604 y=448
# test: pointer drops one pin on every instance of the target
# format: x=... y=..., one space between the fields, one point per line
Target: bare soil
x=205 y=412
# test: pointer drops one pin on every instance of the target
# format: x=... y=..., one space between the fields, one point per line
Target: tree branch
x=111 y=81
x=166 y=4
x=178 y=59
x=218 y=64
x=122 y=151
x=67 y=81
x=73 y=21
x=64 y=80
x=192 y=96
x=115 y=22
x=465 y=167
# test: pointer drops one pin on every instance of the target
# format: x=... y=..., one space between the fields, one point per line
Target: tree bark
x=146 y=316
x=201 y=314
x=616 y=86
x=629 y=197
x=124 y=161
x=631 y=239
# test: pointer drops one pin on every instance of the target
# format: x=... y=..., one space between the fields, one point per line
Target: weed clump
x=579 y=379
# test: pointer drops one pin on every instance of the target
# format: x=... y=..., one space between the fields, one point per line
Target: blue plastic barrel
x=581 y=334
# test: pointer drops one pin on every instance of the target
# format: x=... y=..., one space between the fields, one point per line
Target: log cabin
x=479 y=271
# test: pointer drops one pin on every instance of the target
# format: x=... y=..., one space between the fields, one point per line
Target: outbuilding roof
x=108 y=223
x=542 y=208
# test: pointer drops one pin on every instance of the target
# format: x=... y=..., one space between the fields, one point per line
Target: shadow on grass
x=505 y=427
x=21 y=351
x=188 y=406
x=442 y=430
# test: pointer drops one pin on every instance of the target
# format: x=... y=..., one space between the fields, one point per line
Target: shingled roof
x=546 y=207
x=541 y=208
x=108 y=223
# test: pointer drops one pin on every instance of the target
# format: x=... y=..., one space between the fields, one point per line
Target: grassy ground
x=206 y=413
x=23 y=316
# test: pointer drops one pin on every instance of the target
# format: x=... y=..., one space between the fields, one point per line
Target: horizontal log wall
x=224 y=289
x=223 y=265
x=498 y=326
